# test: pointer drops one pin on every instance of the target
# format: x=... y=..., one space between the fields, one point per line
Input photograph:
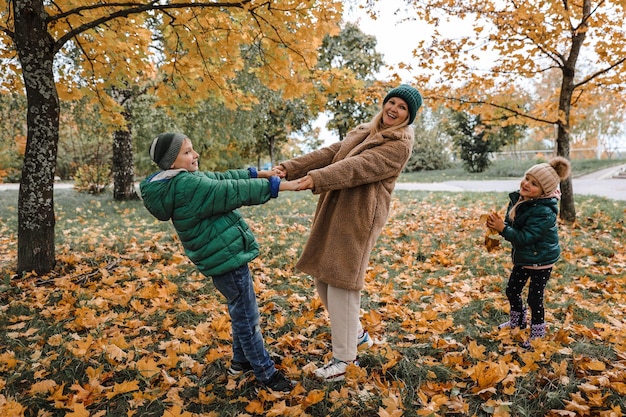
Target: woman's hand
x=306 y=183
x=280 y=171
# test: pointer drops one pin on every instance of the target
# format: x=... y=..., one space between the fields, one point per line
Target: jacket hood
x=154 y=192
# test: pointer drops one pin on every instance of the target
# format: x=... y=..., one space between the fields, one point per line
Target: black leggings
x=517 y=282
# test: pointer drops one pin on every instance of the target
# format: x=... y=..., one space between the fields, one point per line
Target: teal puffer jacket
x=202 y=207
x=533 y=234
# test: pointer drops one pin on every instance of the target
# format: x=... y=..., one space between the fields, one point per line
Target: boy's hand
x=277 y=171
x=265 y=173
x=289 y=185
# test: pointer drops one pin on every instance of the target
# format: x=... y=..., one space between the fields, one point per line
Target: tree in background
x=13 y=137
x=503 y=45
x=85 y=147
x=350 y=54
x=476 y=140
x=277 y=120
x=469 y=136
x=431 y=150
x=122 y=167
x=195 y=47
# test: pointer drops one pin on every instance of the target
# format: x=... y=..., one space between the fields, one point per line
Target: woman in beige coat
x=355 y=179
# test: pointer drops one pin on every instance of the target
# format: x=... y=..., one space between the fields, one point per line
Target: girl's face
x=187 y=158
x=530 y=188
x=395 y=112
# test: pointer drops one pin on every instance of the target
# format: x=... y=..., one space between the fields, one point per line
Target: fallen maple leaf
x=313 y=397
x=123 y=388
x=78 y=410
x=175 y=411
x=42 y=387
x=255 y=407
x=476 y=351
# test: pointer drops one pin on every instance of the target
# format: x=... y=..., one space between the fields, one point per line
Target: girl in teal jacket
x=530 y=226
x=202 y=206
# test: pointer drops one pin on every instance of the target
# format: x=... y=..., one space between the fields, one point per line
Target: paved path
x=600 y=183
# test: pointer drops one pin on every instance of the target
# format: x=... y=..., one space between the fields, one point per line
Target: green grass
x=432 y=294
x=503 y=169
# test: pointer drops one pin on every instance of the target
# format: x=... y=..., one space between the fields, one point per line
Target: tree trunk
x=563 y=139
x=123 y=169
x=36 y=220
x=272 y=145
x=122 y=163
x=568 y=209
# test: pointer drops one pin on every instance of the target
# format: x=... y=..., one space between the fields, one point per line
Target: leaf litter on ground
x=125 y=325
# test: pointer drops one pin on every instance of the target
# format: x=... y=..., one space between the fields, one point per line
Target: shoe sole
x=259 y=388
x=233 y=373
x=333 y=378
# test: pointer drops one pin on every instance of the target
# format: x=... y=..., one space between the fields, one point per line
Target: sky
x=395 y=41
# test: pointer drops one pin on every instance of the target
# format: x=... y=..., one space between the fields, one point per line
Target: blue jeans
x=248 y=345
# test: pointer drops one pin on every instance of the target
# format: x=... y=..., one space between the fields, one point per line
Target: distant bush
x=92 y=179
x=428 y=155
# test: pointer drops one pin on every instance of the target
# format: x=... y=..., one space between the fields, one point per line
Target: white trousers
x=344 y=308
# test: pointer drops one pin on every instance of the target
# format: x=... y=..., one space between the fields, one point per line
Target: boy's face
x=187 y=158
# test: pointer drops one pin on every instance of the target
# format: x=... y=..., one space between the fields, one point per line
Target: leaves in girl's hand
x=492 y=237
x=127 y=326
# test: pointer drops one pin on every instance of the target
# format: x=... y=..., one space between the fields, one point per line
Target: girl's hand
x=495 y=222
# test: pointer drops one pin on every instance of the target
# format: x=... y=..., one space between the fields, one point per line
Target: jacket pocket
x=247 y=238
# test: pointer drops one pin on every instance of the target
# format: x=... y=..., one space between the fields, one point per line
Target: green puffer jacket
x=202 y=207
x=533 y=234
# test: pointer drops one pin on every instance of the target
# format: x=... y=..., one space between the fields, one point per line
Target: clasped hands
x=304 y=183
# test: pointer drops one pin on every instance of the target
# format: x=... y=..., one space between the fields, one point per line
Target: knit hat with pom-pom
x=550 y=174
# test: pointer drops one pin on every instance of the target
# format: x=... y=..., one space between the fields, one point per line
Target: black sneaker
x=237 y=369
x=278 y=383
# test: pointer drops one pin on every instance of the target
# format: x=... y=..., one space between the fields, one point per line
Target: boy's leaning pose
x=202 y=206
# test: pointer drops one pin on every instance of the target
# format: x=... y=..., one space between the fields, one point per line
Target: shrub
x=92 y=179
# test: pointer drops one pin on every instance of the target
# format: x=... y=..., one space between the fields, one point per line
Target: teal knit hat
x=409 y=94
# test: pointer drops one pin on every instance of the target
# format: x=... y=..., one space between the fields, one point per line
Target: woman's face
x=187 y=158
x=529 y=187
x=395 y=112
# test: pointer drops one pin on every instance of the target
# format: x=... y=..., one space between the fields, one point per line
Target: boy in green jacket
x=202 y=206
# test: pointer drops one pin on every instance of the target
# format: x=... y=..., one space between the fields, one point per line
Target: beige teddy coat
x=355 y=179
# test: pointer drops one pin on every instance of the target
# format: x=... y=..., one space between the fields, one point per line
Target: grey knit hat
x=165 y=147
x=409 y=94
